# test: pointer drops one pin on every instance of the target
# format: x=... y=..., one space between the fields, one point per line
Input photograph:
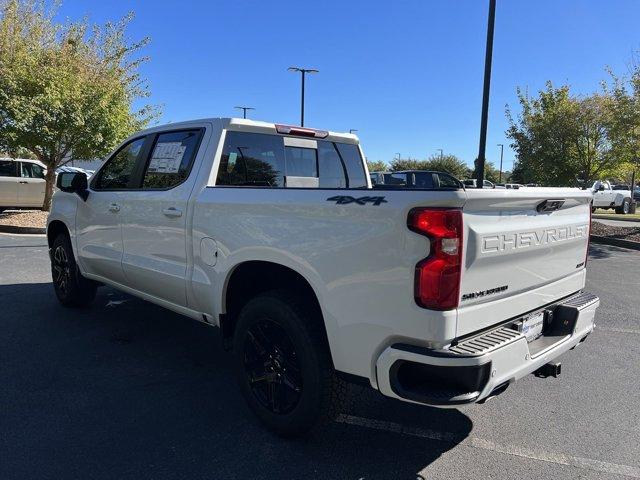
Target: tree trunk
x=50 y=178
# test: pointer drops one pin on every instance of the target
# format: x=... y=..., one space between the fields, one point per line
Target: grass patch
x=611 y=214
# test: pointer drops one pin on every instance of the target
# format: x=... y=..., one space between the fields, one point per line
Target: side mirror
x=601 y=188
x=74 y=182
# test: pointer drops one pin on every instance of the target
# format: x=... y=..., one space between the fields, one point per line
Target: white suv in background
x=22 y=183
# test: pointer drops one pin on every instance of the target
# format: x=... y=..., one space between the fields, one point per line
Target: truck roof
x=256 y=126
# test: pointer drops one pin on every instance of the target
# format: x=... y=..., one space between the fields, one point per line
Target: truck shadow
x=125 y=389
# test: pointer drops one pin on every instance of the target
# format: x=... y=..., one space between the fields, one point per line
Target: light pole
x=352 y=130
x=439 y=150
x=303 y=71
x=244 y=110
x=501 y=152
x=398 y=153
x=485 y=95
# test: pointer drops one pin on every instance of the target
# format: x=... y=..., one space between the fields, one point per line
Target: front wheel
x=72 y=289
x=283 y=364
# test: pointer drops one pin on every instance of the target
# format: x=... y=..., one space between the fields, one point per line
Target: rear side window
x=31 y=170
x=117 y=172
x=252 y=159
x=171 y=159
x=7 y=169
x=350 y=155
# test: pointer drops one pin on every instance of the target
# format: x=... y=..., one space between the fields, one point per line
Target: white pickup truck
x=607 y=196
x=440 y=296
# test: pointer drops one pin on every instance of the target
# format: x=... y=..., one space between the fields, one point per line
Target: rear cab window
x=266 y=160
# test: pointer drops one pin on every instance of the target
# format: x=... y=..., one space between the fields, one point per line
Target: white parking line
x=474 y=442
x=618 y=330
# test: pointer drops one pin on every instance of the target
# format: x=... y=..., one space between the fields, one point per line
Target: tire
x=283 y=365
x=72 y=289
x=624 y=208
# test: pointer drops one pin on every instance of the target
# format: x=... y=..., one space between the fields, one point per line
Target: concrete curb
x=615 y=217
x=22 y=230
x=617 y=242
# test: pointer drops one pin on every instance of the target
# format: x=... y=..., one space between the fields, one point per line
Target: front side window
x=171 y=159
x=31 y=170
x=7 y=169
x=117 y=172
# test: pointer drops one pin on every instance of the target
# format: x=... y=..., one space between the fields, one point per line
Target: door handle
x=114 y=207
x=23 y=181
x=172 y=212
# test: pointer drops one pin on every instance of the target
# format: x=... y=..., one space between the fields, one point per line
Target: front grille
x=486 y=342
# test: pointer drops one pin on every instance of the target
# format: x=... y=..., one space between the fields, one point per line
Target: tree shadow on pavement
x=598 y=251
x=125 y=389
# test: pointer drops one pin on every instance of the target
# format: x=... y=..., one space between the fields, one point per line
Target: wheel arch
x=252 y=277
x=55 y=228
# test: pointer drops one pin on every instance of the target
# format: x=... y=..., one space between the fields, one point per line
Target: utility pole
x=485 y=95
x=439 y=150
x=501 y=152
x=398 y=153
x=244 y=110
x=303 y=71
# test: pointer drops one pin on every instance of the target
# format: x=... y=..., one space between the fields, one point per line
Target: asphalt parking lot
x=125 y=389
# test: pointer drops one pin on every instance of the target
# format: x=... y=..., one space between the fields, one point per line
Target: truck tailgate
x=519 y=242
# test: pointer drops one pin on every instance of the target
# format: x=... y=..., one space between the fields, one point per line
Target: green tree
x=560 y=139
x=399 y=164
x=450 y=164
x=623 y=106
x=66 y=90
x=377 y=166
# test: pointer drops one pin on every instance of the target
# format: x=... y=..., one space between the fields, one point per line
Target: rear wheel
x=624 y=208
x=283 y=364
x=72 y=289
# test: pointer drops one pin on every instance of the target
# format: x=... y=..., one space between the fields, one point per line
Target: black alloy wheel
x=72 y=289
x=272 y=367
x=61 y=270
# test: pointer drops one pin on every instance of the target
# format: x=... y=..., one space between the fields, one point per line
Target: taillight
x=437 y=277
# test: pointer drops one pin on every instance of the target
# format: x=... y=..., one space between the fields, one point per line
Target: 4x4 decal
x=345 y=199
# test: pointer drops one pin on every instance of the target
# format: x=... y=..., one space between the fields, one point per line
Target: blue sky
x=406 y=74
